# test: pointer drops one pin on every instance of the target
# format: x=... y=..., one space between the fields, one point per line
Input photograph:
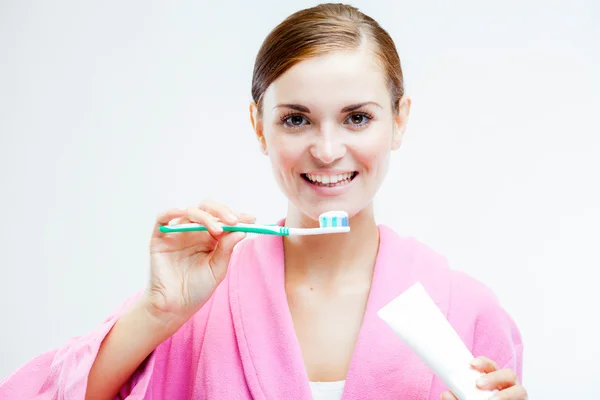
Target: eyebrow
x=301 y=108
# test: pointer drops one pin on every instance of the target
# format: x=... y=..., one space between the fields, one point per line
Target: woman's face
x=328 y=127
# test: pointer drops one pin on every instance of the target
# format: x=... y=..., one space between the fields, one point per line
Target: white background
x=113 y=111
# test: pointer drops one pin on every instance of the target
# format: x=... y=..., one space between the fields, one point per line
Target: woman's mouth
x=330 y=180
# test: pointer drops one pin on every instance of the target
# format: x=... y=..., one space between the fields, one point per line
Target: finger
x=220 y=211
x=208 y=220
x=246 y=218
x=222 y=254
x=182 y=220
x=167 y=216
x=448 y=396
x=517 y=392
x=498 y=379
x=484 y=364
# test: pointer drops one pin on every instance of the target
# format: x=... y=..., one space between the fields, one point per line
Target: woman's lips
x=331 y=184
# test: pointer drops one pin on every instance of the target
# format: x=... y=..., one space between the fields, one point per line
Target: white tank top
x=327 y=390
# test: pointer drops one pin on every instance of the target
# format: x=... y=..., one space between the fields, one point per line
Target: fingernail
x=482 y=381
x=231 y=217
x=476 y=362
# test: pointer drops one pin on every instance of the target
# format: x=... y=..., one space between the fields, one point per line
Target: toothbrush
x=329 y=222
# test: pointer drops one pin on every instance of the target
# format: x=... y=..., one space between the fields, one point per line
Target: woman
x=291 y=318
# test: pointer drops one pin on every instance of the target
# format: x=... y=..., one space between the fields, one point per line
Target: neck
x=334 y=258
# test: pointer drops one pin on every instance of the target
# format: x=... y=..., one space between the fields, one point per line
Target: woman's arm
x=132 y=339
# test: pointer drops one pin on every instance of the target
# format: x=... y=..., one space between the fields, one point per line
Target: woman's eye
x=294 y=121
x=359 y=119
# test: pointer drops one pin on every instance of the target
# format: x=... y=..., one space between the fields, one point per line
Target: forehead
x=331 y=80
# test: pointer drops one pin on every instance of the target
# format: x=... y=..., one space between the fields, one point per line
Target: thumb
x=222 y=254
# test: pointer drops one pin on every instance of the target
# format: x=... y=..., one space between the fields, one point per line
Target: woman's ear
x=400 y=121
x=258 y=127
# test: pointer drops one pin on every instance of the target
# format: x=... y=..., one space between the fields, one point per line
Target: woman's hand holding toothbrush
x=187 y=267
x=185 y=270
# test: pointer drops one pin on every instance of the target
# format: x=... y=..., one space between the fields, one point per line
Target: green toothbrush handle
x=248 y=228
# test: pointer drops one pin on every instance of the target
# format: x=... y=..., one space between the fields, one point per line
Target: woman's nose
x=328 y=146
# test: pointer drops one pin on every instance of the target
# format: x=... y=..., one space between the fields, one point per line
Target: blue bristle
x=333 y=221
x=323 y=222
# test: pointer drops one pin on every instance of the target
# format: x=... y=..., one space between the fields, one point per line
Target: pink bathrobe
x=242 y=344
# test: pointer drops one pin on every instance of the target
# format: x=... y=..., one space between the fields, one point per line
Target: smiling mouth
x=330 y=180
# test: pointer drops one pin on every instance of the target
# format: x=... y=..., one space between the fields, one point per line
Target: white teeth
x=330 y=179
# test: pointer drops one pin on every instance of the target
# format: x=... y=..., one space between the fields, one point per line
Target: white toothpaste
x=421 y=325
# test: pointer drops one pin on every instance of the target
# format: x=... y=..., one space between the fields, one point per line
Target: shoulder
x=434 y=270
x=471 y=306
x=468 y=293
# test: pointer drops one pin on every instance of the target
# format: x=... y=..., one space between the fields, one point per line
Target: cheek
x=285 y=152
x=373 y=151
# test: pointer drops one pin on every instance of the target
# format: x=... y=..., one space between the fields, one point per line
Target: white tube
x=423 y=327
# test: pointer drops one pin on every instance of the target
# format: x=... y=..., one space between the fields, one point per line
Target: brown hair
x=318 y=30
